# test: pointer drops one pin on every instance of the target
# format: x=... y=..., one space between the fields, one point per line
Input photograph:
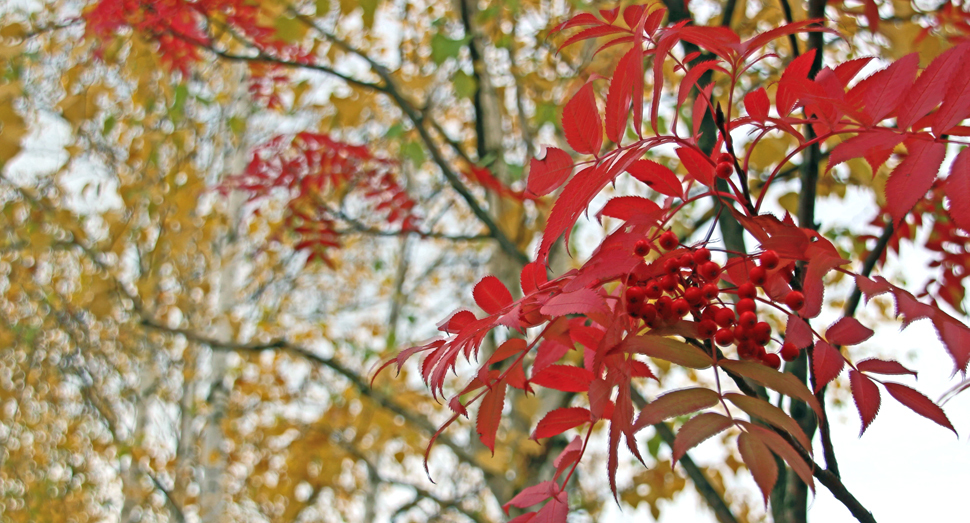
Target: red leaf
x=828 y=363
x=491 y=295
x=883 y=367
x=457 y=321
x=798 y=332
x=490 y=413
x=846 y=71
x=760 y=408
x=848 y=331
x=547 y=174
x=692 y=76
x=957 y=189
x=581 y=301
x=866 y=396
x=668 y=349
x=559 y=421
x=532 y=495
x=956 y=102
x=956 y=338
x=875 y=145
x=871 y=10
x=510 y=348
x=592 y=32
x=885 y=89
x=581 y=122
x=699 y=166
x=914 y=176
x=784 y=383
x=657 y=177
x=675 y=403
x=930 y=87
x=628 y=208
x=793 y=83
x=919 y=404
x=759 y=461
x=757 y=104
x=564 y=377
x=784 y=450
x=619 y=97
x=697 y=430
x=555 y=510
x=532 y=277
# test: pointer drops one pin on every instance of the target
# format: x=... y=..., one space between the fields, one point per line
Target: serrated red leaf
x=956 y=337
x=457 y=321
x=885 y=89
x=532 y=277
x=699 y=166
x=620 y=97
x=798 y=332
x=675 y=403
x=549 y=352
x=668 y=349
x=875 y=145
x=581 y=301
x=757 y=457
x=848 y=331
x=759 y=408
x=490 y=414
x=491 y=295
x=930 y=87
x=919 y=404
x=555 y=510
x=657 y=177
x=914 y=176
x=581 y=122
x=628 y=208
x=866 y=396
x=563 y=377
x=957 y=189
x=621 y=423
x=782 y=382
x=592 y=32
x=883 y=367
x=509 y=348
x=697 y=430
x=757 y=104
x=794 y=82
x=547 y=174
x=827 y=365
x=846 y=71
x=560 y=420
x=533 y=495
x=782 y=449
x=528 y=517
x=692 y=76
x=956 y=102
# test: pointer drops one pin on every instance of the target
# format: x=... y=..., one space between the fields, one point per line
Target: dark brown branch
x=867 y=266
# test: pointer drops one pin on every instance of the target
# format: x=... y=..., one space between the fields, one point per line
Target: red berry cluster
x=689 y=286
x=725 y=166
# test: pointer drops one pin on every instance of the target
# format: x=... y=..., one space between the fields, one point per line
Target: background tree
x=184 y=341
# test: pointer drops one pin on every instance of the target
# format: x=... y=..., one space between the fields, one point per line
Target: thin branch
x=867 y=266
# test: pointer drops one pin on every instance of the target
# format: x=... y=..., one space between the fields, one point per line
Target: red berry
x=747 y=320
x=745 y=305
x=741 y=334
x=693 y=295
x=709 y=312
x=648 y=312
x=686 y=261
x=725 y=158
x=652 y=290
x=747 y=350
x=758 y=276
x=709 y=291
x=724 y=170
x=769 y=259
x=641 y=248
x=672 y=266
x=724 y=337
x=724 y=317
x=702 y=255
x=668 y=240
x=789 y=351
x=709 y=271
x=680 y=307
x=795 y=300
x=669 y=283
x=747 y=290
x=663 y=305
x=634 y=295
x=771 y=360
x=761 y=332
x=706 y=328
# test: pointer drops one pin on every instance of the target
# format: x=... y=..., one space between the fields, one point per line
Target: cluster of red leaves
x=309 y=167
x=619 y=310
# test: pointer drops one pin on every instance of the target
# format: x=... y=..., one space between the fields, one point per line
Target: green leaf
x=465 y=84
x=323 y=7
x=443 y=48
x=414 y=152
x=394 y=131
x=289 y=29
